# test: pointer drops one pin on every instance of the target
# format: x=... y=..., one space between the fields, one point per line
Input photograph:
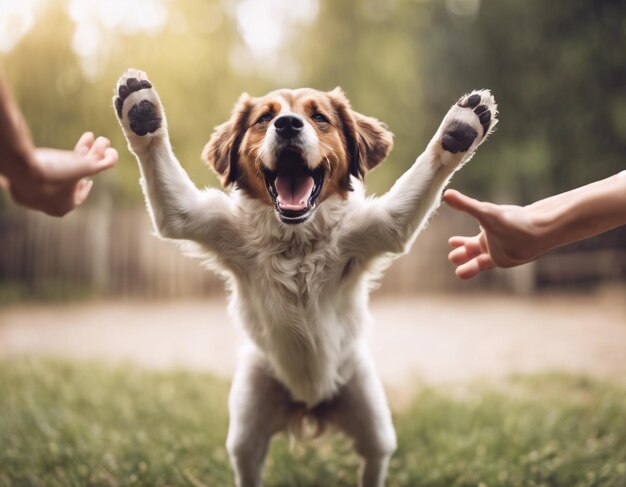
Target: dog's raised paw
x=458 y=137
x=136 y=103
x=469 y=122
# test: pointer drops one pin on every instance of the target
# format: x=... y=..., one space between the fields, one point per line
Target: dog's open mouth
x=294 y=188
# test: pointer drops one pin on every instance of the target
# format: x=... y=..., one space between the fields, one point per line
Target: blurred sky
x=263 y=25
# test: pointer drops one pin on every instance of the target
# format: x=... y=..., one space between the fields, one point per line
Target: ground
x=486 y=391
x=68 y=424
x=432 y=339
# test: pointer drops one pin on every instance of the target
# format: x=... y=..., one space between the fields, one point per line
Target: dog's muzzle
x=293 y=187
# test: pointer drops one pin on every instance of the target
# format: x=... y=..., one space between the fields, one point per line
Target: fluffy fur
x=300 y=291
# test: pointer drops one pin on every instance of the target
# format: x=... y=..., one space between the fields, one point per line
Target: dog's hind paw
x=466 y=125
x=137 y=105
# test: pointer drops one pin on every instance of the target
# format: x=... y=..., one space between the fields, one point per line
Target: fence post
x=98 y=233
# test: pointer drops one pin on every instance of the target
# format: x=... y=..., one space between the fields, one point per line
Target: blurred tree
x=188 y=60
x=369 y=49
x=556 y=69
x=558 y=72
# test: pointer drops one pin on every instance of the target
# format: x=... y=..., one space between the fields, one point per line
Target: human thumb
x=459 y=201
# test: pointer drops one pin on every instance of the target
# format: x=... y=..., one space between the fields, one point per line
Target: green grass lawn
x=65 y=424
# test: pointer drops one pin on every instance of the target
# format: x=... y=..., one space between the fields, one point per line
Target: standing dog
x=300 y=245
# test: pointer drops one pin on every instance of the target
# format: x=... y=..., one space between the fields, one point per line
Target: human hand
x=55 y=180
x=508 y=236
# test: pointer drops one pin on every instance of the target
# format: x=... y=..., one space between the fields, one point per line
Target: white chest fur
x=294 y=298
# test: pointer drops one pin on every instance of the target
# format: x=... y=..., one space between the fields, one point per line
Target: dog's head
x=293 y=149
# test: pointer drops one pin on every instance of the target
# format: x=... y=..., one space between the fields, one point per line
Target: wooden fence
x=104 y=252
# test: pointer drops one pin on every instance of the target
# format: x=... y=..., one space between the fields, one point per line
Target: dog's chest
x=298 y=275
x=297 y=311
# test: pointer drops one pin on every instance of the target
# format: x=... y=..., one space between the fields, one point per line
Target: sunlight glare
x=94 y=17
x=16 y=19
x=463 y=8
x=264 y=24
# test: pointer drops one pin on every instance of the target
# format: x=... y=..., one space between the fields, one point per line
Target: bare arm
x=514 y=235
x=16 y=145
x=49 y=180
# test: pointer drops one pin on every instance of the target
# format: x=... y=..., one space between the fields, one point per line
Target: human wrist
x=18 y=161
x=24 y=176
x=544 y=228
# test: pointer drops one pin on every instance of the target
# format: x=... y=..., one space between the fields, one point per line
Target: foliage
x=556 y=69
x=67 y=424
x=187 y=62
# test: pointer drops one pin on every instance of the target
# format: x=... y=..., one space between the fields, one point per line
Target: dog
x=300 y=246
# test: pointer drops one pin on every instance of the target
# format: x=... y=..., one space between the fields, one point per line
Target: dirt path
x=432 y=338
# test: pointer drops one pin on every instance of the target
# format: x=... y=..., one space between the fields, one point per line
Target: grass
x=66 y=424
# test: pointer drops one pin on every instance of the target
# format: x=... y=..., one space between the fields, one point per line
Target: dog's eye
x=318 y=117
x=264 y=118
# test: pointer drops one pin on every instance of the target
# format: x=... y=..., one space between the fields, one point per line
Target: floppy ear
x=368 y=139
x=374 y=142
x=222 y=151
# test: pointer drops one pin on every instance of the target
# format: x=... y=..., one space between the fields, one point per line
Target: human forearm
x=513 y=235
x=580 y=213
x=16 y=147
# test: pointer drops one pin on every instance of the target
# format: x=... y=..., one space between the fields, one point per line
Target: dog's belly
x=310 y=347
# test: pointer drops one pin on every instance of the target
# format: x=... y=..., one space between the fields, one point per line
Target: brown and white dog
x=300 y=245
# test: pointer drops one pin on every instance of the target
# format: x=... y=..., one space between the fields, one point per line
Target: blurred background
x=97 y=285
x=557 y=70
x=558 y=73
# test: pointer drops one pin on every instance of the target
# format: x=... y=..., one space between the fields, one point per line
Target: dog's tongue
x=294 y=190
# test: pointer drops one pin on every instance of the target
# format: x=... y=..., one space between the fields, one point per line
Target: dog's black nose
x=288 y=126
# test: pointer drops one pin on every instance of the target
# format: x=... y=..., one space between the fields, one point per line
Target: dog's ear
x=222 y=151
x=368 y=140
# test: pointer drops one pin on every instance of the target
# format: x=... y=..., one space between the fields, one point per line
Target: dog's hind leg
x=259 y=407
x=362 y=413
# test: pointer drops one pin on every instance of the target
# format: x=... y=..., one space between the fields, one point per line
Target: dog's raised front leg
x=391 y=222
x=259 y=406
x=362 y=413
x=177 y=208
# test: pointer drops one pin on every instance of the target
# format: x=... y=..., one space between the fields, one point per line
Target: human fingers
x=462 y=254
x=100 y=162
x=474 y=267
x=100 y=145
x=470 y=248
x=58 y=166
x=108 y=160
x=461 y=202
x=84 y=143
x=457 y=241
x=82 y=191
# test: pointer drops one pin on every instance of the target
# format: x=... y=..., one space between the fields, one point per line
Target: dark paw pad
x=471 y=101
x=458 y=137
x=481 y=111
x=132 y=85
x=143 y=118
x=484 y=115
